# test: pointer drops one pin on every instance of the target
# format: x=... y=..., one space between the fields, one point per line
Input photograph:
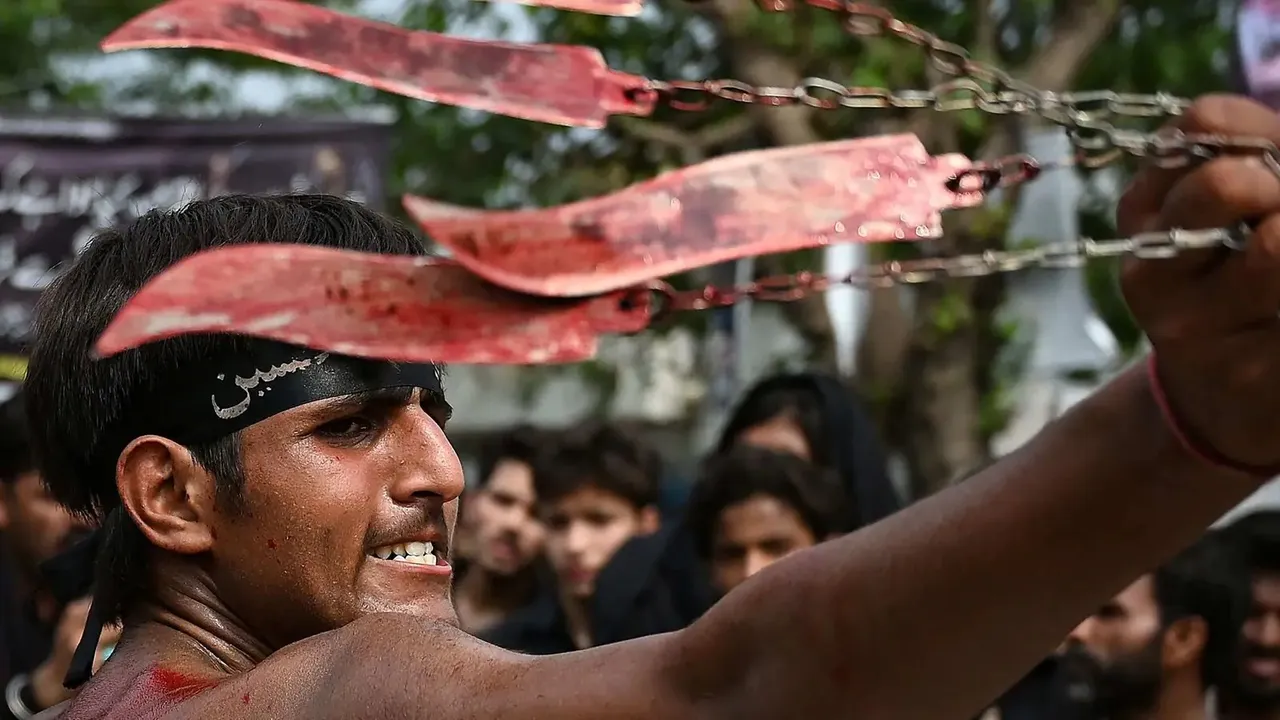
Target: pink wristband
x=1197 y=449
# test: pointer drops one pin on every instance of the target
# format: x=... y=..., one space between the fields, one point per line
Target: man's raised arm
x=933 y=612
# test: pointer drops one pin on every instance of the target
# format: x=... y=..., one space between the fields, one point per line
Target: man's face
x=502 y=517
x=781 y=434
x=35 y=526
x=332 y=488
x=1259 y=680
x=584 y=530
x=753 y=534
x=1114 y=659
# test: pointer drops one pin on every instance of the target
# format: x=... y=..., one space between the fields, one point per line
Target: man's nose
x=755 y=562
x=1269 y=630
x=422 y=458
x=1079 y=635
x=577 y=538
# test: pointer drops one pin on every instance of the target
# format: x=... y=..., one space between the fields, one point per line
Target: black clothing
x=25 y=641
x=538 y=628
x=654 y=584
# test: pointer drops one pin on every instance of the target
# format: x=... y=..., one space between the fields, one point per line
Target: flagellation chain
x=1087 y=116
x=790 y=288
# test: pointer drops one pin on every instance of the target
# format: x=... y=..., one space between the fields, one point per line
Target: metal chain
x=1086 y=116
x=963 y=93
x=789 y=288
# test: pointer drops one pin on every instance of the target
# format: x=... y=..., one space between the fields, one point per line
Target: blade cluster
x=531 y=286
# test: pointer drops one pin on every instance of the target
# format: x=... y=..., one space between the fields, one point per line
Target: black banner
x=63 y=179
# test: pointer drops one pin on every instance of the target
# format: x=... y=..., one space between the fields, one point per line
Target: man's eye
x=348 y=428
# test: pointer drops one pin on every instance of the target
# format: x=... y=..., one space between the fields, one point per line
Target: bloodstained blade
x=768 y=201
x=400 y=308
x=618 y=8
x=559 y=84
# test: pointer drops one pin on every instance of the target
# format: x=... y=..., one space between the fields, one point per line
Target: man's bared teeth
x=416 y=553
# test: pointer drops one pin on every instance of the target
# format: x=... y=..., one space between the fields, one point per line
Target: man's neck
x=194 y=611
x=485 y=598
x=1252 y=713
x=1176 y=701
x=577 y=616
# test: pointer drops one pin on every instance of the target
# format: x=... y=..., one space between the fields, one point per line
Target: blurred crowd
x=577 y=537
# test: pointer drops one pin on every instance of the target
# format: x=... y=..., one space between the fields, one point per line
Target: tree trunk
x=935 y=417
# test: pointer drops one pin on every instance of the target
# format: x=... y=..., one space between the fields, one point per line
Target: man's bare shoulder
x=406 y=667
x=396 y=666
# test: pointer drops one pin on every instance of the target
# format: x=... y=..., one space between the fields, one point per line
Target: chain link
x=1089 y=117
x=789 y=288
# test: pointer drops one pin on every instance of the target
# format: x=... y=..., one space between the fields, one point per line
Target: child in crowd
x=596 y=489
x=752 y=507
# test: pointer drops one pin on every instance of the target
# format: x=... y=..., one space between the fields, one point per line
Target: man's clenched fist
x=1214 y=316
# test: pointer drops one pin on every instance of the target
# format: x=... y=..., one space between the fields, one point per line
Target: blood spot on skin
x=271 y=544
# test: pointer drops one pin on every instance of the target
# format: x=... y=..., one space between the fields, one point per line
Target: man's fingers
x=1226 y=115
x=1221 y=193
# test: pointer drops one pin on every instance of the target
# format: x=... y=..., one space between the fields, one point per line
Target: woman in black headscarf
x=818 y=418
x=658 y=584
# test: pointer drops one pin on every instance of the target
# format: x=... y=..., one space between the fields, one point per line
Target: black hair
x=523 y=443
x=1256 y=538
x=1207 y=581
x=16 y=458
x=838 y=430
x=728 y=478
x=781 y=396
x=603 y=456
x=76 y=404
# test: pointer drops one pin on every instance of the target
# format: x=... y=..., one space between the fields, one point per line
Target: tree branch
x=693 y=146
x=985 y=46
x=1075 y=33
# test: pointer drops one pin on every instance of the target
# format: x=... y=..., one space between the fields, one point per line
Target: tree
x=930 y=371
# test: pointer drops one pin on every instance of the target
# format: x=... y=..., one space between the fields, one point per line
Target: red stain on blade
x=768 y=201
x=620 y=8
x=559 y=84
x=408 y=309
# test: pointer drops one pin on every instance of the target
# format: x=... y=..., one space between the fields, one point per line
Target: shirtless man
x=249 y=556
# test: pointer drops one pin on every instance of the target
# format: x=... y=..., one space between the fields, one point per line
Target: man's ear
x=1184 y=642
x=168 y=495
x=650 y=520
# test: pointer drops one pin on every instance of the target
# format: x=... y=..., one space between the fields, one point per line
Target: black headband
x=224 y=395
x=210 y=400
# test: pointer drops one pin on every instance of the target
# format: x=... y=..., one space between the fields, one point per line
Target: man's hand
x=46 y=680
x=1214 y=317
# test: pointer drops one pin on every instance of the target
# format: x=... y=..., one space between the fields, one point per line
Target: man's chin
x=1258 y=692
x=501 y=568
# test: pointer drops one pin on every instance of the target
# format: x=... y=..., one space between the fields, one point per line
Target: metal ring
x=657 y=296
x=1238 y=240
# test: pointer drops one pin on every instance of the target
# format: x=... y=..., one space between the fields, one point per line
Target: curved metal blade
x=408 y=309
x=559 y=84
x=755 y=203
